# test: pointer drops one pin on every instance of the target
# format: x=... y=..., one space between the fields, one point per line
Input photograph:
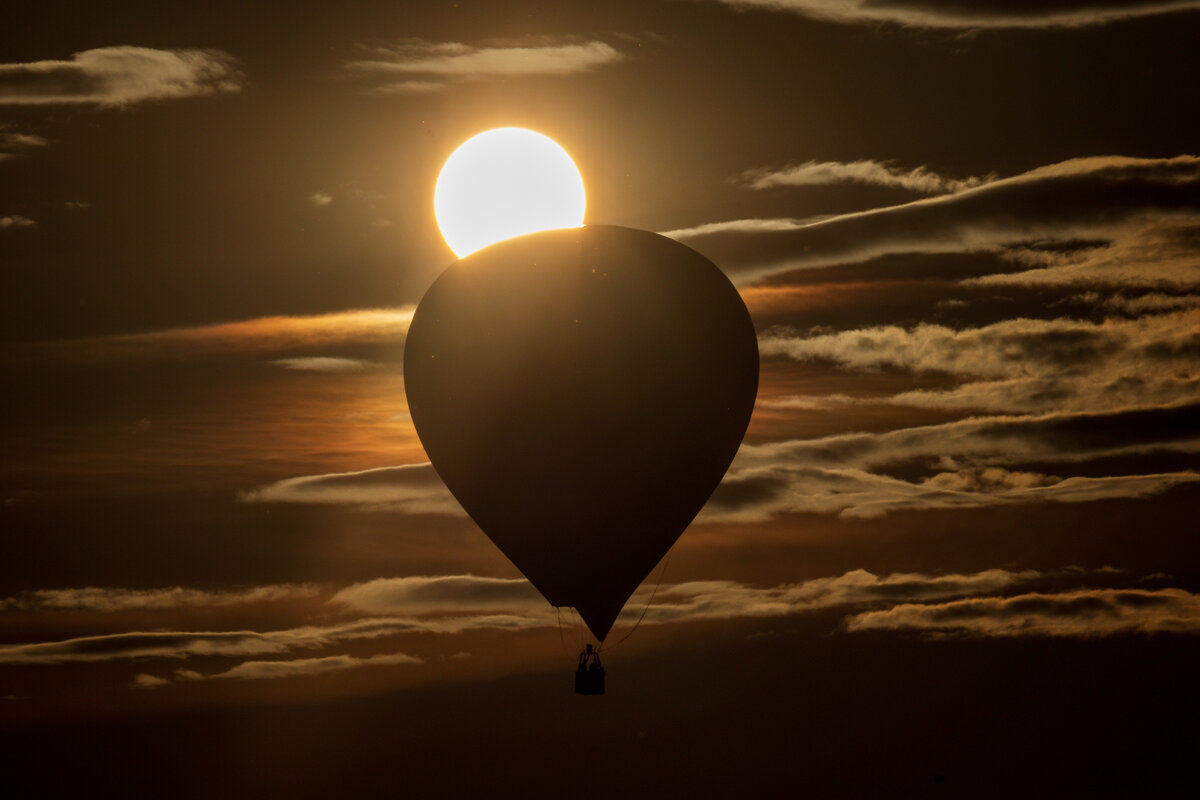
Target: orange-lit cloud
x=262 y=335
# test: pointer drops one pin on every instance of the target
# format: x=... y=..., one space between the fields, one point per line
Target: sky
x=957 y=551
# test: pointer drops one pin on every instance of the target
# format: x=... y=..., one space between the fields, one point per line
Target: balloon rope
x=661 y=573
x=561 y=640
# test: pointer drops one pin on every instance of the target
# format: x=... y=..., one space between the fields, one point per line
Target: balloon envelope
x=582 y=392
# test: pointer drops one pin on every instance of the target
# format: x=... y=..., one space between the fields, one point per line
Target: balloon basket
x=589 y=681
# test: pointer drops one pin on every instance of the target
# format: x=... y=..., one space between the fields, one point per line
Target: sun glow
x=503 y=183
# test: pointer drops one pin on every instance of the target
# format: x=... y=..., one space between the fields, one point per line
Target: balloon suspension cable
x=561 y=640
x=661 y=572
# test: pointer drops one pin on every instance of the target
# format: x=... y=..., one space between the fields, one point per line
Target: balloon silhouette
x=582 y=392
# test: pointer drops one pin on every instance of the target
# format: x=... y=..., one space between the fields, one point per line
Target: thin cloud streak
x=435 y=65
x=411 y=488
x=298 y=668
x=119 y=76
x=323 y=364
x=441 y=594
x=953 y=14
x=188 y=644
x=1086 y=613
x=262 y=335
x=94 y=598
x=874 y=173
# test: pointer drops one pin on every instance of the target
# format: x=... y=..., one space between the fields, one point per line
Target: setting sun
x=503 y=183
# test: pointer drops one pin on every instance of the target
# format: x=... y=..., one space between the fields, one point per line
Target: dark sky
x=956 y=553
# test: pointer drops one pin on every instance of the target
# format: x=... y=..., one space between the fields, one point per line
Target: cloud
x=300 y=667
x=420 y=66
x=188 y=644
x=119 y=76
x=16 y=221
x=262 y=335
x=815 y=173
x=1158 y=253
x=741 y=226
x=93 y=598
x=145 y=680
x=701 y=600
x=838 y=474
x=986 y=14
x=435 y=604
x=966 y=464
x=321 y=198
x=323 y=364
x=1027 y=365
x=440 y=594
x=412 y=488
x=13 y=142
x=1082 y=613
x=1081 y=199
x=450 y=604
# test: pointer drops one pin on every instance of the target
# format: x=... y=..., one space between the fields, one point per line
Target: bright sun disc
x=503 y=183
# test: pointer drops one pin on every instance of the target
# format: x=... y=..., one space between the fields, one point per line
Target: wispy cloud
x=188 y=644
x=416 y=65
x=1083 y=613
x=16 y=221
x=323 y=364
x=742 y=226
x=440 y=594
x=1027 y=365
x=413 y=488
x=320 y=199
x=878 y=173
x=94 y=598
x=299 y=667
x=700 y=600
x=13 y=142
x=1151 y=254
x=119 y=76
x=1099 y=198
x=967 y=465
x=262 y=335
x=988 y=14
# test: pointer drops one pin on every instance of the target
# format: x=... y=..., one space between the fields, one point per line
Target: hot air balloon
x=582 y=392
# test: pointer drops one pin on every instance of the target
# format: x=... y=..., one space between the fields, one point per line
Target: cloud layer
x=966 y=464
x=119 y=76
x=1109 y=199
x=1024 y=365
